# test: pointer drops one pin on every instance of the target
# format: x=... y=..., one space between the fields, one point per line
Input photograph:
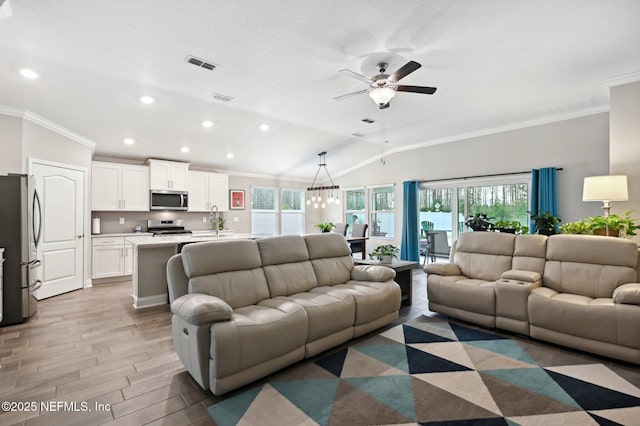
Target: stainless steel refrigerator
x=20 y=233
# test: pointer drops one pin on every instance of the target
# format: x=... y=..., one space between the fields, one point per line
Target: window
x=445 y=206
x=264 y=211
x=378 y=212
x=292 y=212
x=277 y=211
x=355 y=203
x=382 y=221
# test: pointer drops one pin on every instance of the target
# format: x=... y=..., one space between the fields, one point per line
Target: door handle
x=124 y=204
x=80 y=236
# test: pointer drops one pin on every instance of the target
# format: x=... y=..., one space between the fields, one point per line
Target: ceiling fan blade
x=417 y=89
x=404 y=71
x=348 y=95
x=357 y=76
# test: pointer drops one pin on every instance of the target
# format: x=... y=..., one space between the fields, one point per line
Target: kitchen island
x=150 y=256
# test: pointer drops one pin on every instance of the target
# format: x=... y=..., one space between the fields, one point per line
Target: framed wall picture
x=236 y=199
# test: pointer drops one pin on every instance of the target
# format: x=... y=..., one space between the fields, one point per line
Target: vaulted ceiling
x=494 y=62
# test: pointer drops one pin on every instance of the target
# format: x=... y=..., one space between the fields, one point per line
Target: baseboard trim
x=149 y=301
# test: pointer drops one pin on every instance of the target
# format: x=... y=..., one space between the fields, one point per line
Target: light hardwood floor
x=91 y=346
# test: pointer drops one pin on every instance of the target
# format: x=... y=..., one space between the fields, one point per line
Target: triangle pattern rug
x=433 y=372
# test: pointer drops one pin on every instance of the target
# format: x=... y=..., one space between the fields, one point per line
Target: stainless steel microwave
x=168 y=200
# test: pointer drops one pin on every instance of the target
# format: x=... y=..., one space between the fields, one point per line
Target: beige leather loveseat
x=579 y=291
x=243 y=309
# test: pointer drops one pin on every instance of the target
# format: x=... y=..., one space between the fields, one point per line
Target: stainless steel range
x=167 y=227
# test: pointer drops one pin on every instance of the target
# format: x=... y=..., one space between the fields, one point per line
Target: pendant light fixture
x=320 y=196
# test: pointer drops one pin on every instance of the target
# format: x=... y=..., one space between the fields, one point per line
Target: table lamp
x=605 y=189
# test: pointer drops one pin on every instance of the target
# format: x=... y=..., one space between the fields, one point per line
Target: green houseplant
x=325 y=226
x=613 y=226
x=479 y=222
x=510 y=226
x=545 y=222
x=385 y=253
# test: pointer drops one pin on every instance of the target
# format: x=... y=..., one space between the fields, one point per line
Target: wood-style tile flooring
x=116 y=364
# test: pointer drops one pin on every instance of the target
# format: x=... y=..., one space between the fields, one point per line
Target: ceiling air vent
x=368 y=120
x=200 y=63
x=221 y=98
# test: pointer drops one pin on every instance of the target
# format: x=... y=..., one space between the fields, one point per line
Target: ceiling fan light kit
x=382 y=95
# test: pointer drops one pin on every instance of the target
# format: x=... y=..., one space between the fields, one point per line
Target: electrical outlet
x=204 y=219
x=122 y=221
x=235 y=219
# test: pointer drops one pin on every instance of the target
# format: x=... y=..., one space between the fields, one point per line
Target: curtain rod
x=481 y=176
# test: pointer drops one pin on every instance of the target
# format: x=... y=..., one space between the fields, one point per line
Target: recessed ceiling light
x=230 y=155
x=147 y=100
x=30 y=74
x=185 y=149
x=264 y=127
x=128 y=141
x=207 y=123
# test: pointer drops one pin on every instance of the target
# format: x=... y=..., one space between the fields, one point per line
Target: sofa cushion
x=331 y=258
x=238 y=288
x=283 y=249
x=484 y=255
x=326 y=314
x=230 y=270
x=256 y=334
x=529 y=253
x=460 y=292
x=592 y=249
x=290 y=278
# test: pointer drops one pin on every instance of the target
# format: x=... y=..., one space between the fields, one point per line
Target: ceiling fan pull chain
x=383 y=160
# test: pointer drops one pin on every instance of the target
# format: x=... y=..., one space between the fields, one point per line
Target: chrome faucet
x=215 y=220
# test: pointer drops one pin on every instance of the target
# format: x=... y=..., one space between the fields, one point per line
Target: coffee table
x=404 y=275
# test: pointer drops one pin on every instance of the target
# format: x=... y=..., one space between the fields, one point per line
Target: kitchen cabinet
x=168 y=175
x=111 y=257
x=208 y=189
x=119 y=187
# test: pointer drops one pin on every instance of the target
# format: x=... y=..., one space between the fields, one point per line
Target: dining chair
x=341 y=228
x=358 y=230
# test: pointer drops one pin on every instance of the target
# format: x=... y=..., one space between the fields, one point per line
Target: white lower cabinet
x=111 y=257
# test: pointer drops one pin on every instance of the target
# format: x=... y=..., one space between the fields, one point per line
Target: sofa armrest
x=627 y=294
x=444 y=269
x=375 y=273
x=198 y=309
x=518 y=275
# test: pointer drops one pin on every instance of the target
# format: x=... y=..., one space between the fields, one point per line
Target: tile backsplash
x=110 y=221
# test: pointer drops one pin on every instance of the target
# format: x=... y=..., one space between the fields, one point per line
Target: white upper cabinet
x=168 y=175
x=119 y=187
x=208 y=189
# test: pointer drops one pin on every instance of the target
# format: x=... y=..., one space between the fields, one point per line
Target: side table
x=404 y=275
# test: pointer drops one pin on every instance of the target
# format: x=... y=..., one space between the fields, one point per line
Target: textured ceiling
x=494 y=62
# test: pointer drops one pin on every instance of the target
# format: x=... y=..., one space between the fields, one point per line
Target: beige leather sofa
x=579 y=291
x=243 y=309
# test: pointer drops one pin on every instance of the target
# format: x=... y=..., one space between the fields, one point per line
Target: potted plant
x=325 y=226
x=510 y=226
x=577 y=227
x=479 y=222
x=614 y=225
x=385 y=253
x=545 y=222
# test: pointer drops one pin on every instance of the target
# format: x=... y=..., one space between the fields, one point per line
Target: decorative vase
x=386 y=259
x=603 y=232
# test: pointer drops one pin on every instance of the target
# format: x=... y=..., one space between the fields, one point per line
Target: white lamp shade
x=605 y=188
x=382 y=95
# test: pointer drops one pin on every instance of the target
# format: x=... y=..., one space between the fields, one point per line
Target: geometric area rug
x=438 y=373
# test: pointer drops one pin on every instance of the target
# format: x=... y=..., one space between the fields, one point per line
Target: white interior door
x=61 y=248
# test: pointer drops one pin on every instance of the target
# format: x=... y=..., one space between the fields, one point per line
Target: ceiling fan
x=384 y=87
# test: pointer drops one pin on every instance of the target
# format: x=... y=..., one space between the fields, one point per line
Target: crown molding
x=619 y=80
x=47 y=124
x=483 y=132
